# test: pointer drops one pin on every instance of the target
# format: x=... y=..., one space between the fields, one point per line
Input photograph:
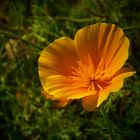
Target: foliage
x=26 y=27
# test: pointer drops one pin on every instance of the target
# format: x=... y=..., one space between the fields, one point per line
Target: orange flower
x=88 y=67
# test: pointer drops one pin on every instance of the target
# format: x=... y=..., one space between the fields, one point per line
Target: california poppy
x=89 y=67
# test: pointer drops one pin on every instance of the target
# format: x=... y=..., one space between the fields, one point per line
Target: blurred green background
x=26 y=27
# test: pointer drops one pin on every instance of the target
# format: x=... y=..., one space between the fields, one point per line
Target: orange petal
x=116 y=84
x=61 y=86
x=103 y=41
x=117 y=52
x=48 y=96
x=59 y=102
x=57 y=58
x=86 y=40
x=90 y=102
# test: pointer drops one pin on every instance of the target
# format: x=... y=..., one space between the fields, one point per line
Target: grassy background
x=26 y=27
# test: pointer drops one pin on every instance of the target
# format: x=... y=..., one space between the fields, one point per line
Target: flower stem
x=106 y=119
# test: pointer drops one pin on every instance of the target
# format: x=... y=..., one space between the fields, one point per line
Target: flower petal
x=57 y=58
x=61 y=102
x=116 y=84
x=86 y=40
x=61 y=86
x=103 y=41
x=117 y=50
x=48 y=96
x=90 y=102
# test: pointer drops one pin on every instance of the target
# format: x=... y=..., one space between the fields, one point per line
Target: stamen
x=98 y=85
x=85 y=76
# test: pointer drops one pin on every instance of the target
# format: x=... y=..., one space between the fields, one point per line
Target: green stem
x=53 y=34
x=106 y=119
x=131 y=28
x=74 y=19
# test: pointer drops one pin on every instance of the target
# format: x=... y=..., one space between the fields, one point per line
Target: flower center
x=90 y=78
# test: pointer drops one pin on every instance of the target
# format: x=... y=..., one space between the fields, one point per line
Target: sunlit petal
x=61 y=86
x=86 y=40
x=57 y=58
x=116 y=84
x=103 y=41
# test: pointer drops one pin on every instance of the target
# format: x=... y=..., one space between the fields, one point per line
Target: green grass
x=26 y=27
